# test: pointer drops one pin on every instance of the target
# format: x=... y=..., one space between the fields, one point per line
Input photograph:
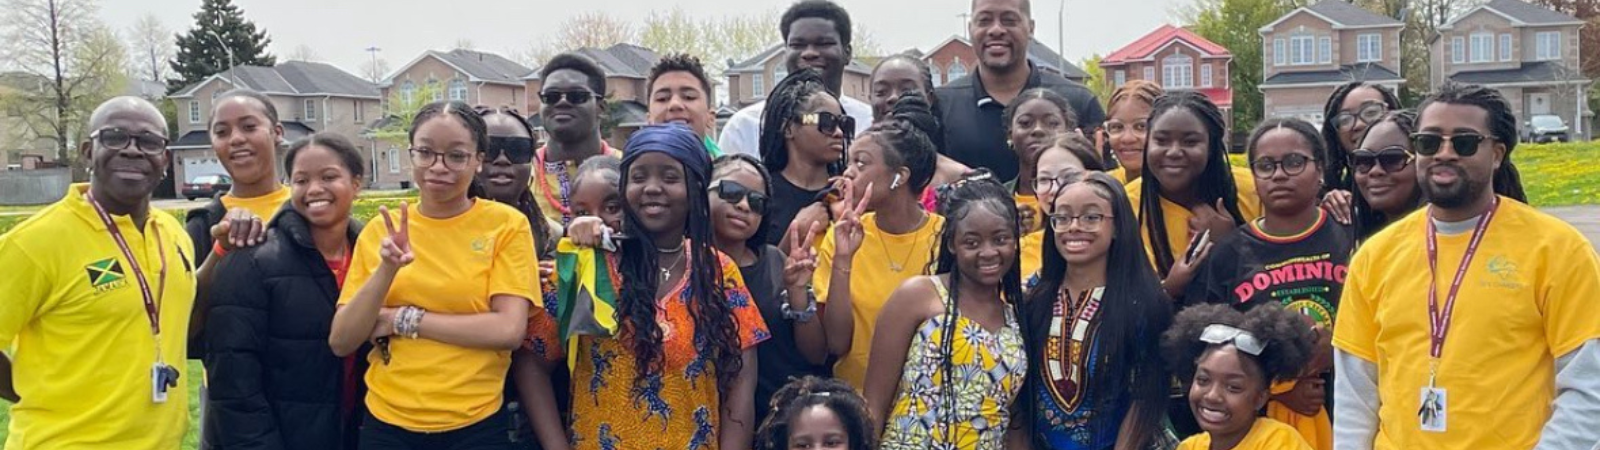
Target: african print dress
x=987 y=370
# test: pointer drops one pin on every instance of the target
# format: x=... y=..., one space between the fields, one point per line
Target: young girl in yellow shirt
x=1229 y=360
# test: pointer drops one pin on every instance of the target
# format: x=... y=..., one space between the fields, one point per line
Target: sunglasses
x=732 y=192
x=120 y=139
x=1220 y=334
x=1292 y=165
x=1392 y=159
x=1464 y=144
x=828 y=122
x=1368 y=112
x=573 y=97
x=518 y=150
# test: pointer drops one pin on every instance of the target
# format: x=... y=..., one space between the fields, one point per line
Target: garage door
x=195 y=167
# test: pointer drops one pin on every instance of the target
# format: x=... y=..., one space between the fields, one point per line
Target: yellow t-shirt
x=430 y=386
x=265 y=206
x=1120 y=173
x=1265 y=434
x=1032 y=254
x=1530 y=296
x=872 y=279
x=71 y=304
x=1177 y=217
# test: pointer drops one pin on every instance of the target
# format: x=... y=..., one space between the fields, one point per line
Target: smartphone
x=1194 y=247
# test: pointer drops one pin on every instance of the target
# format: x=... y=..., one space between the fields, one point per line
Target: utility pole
x=231 y=73
x=965 y=17
x=374 y=51
x=1061 y=37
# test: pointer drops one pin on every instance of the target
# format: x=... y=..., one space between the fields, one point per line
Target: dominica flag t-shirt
x=1304 y=272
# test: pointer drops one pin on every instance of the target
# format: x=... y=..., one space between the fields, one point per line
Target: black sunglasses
x=573 y=97
x=828 y=122
x=732 y=192
x=120 y=139
x=518 y=150
x=1392 y=159
x=1464 y=144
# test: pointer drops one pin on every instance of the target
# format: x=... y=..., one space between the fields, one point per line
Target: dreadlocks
x=1336 y=173
x=782 y=108
x=1502 y=126
x=1216 y=182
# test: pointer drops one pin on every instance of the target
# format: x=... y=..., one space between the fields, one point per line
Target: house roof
x=1342 y=15
x=1039 y=54
x=1222 y=97
x=291 y=78
x=1150 y=43
x=1520 y=13
x=292 y=131
x=758 y=62
x=630 y=114
x=1528 y=72
x=621 y=60
x=480 y=67
x=1346 y=73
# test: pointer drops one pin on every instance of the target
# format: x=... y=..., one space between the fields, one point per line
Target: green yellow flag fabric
x=586 y=288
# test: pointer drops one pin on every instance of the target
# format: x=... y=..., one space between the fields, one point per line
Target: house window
x=1458 y=50
x=758 y=86
x=1482 y=47
x=779 y=72
x=1279 y=52
x=1205 y=76
x=1549 y=45
x=1150 y=73
x=458 y=90
x=408 y=92
x=1505 y=47
x=957 y=70
x=194 y=112
x=1325 y=50
x=356 y=105
x=1369 y=48
x=933 y=69
x=310 y=109
x=1177 y=72
x=433 y=89
x=394 y=160
x=1302 y=50
x=1121 y=77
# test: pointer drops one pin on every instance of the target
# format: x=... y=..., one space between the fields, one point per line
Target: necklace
x=673 y=250
x=666 y=273
x=898 y=267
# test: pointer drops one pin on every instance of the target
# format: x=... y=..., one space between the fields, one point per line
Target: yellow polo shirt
x=1529 y=297
x=872 y=279
x=463 y=261
x=71 y=306
x=1177 y=216
x=265 y=206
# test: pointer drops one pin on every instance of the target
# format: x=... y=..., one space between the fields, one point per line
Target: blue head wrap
x=675 y=140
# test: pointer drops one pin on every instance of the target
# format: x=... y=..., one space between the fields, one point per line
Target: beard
x=1462 y=193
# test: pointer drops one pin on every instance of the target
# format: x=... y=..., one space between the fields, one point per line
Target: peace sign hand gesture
x=802 y=260
x=396 y=249
x=848 y=233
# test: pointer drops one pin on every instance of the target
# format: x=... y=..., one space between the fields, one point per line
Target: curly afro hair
x=804 y=393
x=1287 y=335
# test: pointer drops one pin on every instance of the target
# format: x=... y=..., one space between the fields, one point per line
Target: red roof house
x=1177 y=59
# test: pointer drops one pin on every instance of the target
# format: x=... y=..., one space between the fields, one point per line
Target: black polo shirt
x=973 y=132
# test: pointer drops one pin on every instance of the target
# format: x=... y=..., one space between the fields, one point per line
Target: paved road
x=1586 y=218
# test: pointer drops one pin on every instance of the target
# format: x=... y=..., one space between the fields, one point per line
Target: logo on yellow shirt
x=106 y=274
x=480 y=244
x=1505 y=274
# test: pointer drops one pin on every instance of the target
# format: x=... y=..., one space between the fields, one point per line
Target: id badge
x=1432 y=415
x=158 y=383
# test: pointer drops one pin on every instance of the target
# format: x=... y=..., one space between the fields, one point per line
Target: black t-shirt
x=778 y=358
x=973 y=132
x=1303 y=273
x=786 y=202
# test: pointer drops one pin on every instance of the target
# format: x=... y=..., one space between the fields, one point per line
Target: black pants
x=488 y=434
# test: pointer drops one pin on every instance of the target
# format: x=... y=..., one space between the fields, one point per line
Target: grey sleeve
x=1575 y=422
x=1355 y=401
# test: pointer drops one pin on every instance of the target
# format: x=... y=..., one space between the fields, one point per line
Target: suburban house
x=1177 y=59
x=751 y=80
x=470 y=76
x=1312 y=50
x=1527 y=52
x=310 y=97
x=627 y=69
x=954 y=58
x=22 y=146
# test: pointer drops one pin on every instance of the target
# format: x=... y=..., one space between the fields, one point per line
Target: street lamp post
x=231 y=73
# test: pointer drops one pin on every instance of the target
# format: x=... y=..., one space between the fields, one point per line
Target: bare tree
x=593 y=29
x=675 y=31
x=375 y=69
x=535 y=53
x=863 y=43
x=742 y=37
x=80 y=60
x=150 y=47
x=303 y=52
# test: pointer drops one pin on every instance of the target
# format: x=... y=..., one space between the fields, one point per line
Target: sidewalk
x=1585 y=218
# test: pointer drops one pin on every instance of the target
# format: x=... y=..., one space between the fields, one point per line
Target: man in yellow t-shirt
x=1503 y=354
x=86 y=358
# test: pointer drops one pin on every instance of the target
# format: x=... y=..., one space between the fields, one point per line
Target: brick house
x=1526 y=51
x=1177 y=59
x=1312 y=50
x=749 y=81
x=627 y=69
x=309 y=96
x=471 y=76
x=954 y=58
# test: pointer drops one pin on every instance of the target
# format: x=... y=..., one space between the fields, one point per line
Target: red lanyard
x=152 y=302
x=1439 y=324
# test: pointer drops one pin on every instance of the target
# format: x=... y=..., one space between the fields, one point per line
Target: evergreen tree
x=201 y=56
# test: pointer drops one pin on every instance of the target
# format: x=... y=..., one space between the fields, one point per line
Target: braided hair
x=1143 y=91
x=1369 y=220
x=1216 y=182
x=1336 y=173
x=906 y=139
x=979 y=189
x=524 y=201
x=468 y=118
x=729 y=162
x=1289 y=341
x=812 y=391
x=1502 y=126
x=783 y=106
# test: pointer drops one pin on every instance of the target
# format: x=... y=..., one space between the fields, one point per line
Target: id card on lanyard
x=1435 y=399
x=162 y=376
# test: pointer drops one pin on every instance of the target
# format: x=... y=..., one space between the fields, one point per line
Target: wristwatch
x=800 y=316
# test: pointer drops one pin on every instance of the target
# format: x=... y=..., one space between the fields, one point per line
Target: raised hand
x=847 y=232
x=802 y=259
x=1184 y=268
x=1337 y=202
x=396 y=248
x=1211 y=217
x=240 y=228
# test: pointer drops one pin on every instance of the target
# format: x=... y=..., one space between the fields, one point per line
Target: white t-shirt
x=742 y=134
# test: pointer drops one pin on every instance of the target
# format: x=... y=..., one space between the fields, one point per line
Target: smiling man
x=817 y=34
x=680 y=92
x=96 y=300
x=573 y=90
x=1001 y=31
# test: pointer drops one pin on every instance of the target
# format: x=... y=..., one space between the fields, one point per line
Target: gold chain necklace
x=900 y=266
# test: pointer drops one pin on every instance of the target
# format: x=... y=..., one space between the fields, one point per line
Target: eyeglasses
x=518 y=150
x=1464 y=144
x=1088 y=222
x=1222 y=334
x=456 y=160
x=1117 y=129
x=1047 y=183
x=1368 y=112
x=120 y=139
x=827 y=122
x=573 y=97
x=732 y=192
x=1292 y=165
x=1392 y=159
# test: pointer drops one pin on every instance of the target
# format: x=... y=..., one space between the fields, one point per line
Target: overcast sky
x=340 y=30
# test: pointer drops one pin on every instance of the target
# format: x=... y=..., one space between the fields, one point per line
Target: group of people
x=994 y=263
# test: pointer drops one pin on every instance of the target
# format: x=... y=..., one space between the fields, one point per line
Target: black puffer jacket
x=274 y=382
x=198 y=223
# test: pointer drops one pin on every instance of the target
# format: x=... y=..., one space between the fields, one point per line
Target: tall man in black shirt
x=1001 y=32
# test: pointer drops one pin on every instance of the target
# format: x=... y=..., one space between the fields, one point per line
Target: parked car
x=206 y=186
x=1545 y=128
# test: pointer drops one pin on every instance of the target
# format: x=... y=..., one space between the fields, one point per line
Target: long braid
x=1336 y=173
x=1216 y=182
